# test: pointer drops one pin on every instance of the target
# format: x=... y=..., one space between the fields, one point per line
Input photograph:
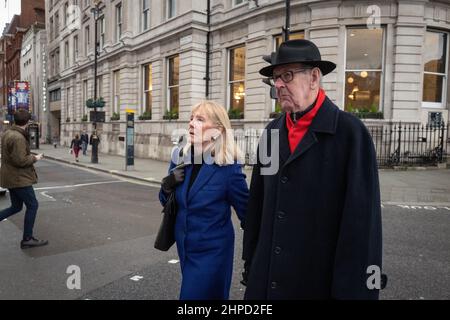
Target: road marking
x=80 y=185
x=429 y=208
x=47 y=196
x=136 y=278
x=174 y=261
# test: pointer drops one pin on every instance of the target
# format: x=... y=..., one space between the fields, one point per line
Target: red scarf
x=296 y=131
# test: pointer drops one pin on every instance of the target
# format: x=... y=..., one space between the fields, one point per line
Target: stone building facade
x=391 y=56
x=33 y=69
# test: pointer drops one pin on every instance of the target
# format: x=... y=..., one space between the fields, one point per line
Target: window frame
x=230 y=82
x=66 y=54
x=235 y=5
x=66 y=14
x=382 y=70
x=145 y=90
x=173 y=7
x=169 y=105
x=116 y=93
x=438 y=105
x=101 y=31
x=145 y=14
x=119 y=21
x=75 y=48
x=84 y=92
x=87 y=39
x=68 y=113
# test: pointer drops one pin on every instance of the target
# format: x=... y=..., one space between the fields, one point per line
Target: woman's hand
x=176 y=176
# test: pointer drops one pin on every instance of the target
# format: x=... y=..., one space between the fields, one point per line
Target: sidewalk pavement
x=425 y=186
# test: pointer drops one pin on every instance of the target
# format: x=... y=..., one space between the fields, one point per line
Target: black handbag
x=166 y=233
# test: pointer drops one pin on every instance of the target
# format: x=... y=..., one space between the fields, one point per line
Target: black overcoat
x=314 y=227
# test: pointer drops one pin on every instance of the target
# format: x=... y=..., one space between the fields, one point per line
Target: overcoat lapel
x=307 y=142
x=284 y=140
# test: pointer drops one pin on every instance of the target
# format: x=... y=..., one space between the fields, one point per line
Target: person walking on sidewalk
x=18 y=175
x=205 y=189
x=84 y=141
x=75 y=146
x=313 y=225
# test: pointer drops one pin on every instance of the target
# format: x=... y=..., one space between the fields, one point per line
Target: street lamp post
x=94 y=137
x=287 y=27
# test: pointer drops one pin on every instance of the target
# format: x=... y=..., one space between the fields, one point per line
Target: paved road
x=106 y=227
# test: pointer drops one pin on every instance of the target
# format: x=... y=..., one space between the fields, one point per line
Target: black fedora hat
x=298 y=51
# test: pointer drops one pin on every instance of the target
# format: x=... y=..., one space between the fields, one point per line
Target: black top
x=195 y=168
x=84 y=137
x=75 y=143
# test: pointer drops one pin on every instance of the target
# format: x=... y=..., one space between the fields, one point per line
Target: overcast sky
x=8 y=8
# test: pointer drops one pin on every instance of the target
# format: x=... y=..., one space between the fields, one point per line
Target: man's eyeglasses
x=285 y=76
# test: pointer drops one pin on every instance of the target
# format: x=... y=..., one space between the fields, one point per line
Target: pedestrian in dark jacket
x=205 y=189
x=313 y=225
x=18 y=175
x=84 y=141
x=75 y=146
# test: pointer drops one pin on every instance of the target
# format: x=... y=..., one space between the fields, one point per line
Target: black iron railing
x=396 y=144
x=400 y=144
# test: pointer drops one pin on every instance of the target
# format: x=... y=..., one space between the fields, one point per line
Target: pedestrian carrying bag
x=166 y=233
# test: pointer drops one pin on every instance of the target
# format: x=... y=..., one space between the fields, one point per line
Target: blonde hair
x=223 y=148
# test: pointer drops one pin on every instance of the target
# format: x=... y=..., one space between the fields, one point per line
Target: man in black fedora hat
x=313 y=229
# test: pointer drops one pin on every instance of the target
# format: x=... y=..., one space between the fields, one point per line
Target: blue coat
x=204 y=232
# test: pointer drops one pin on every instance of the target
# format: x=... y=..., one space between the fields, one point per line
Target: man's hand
x=175 y=177
x=39 y=156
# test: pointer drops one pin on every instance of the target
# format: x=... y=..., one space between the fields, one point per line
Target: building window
x=56 y=24
x=87 y=40
x=118 y=21
x=75 y=48
x=238 y=2
x=67 y=103
x=364 y=68
x=435 y=69
x=170 y=9
x=116 y=91
x=51 y=28
x=52 y=64
x=66 y=54
x=145 y=14
x=85 y=96
x=66 y=13
x=57 y=62
x=101 y=31
x=55 y=95
x=236 y=81
x=292 y=36
x=148 y=87
x=173 y=85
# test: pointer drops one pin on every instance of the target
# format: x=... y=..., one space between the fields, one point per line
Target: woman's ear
x=217 y=134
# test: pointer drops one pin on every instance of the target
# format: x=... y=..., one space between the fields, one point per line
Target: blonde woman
x=205 y=189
